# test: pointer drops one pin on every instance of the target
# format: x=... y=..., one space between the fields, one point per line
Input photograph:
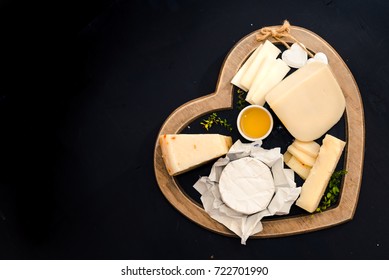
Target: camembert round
x=246 y=185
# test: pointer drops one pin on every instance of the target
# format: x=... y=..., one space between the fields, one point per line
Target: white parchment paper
x=243 y=225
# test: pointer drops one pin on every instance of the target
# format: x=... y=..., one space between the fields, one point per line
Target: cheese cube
x=308 y=102
x=182 y=152
x=316 y=183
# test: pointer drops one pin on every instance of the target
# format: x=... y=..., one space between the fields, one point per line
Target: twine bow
x=279 y=34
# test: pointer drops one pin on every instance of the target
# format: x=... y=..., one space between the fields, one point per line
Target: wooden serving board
x=222 y=99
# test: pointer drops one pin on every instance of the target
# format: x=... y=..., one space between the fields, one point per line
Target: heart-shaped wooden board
x=222 y=99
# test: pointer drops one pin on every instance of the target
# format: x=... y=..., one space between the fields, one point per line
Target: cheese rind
x=316 y=183
x=308 y=102
x=182 y=152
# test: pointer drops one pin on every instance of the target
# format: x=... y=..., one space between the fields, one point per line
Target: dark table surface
x=85 y=88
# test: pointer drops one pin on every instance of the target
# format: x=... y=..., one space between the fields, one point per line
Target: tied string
x=279 y=34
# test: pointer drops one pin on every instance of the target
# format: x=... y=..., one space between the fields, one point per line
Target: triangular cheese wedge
x=183 y=152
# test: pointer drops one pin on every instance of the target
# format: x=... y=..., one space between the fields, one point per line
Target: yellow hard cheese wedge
x=308 y=102
x=315 y=185
x=182 y=152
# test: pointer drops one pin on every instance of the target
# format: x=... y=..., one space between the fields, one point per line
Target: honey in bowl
x=255 y=122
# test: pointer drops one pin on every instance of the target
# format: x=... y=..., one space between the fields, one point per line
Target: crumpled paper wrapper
x=244 y=225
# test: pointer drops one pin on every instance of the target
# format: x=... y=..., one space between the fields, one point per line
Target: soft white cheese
x=246 y=185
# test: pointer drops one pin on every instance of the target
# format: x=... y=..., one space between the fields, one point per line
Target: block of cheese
x=182 y=152
x=301 y=156
x=238 y=76
x=311 y=148
x=260 y=87
x=316 y=183
x=308 y=102
x=268 y=50
x=293 y=163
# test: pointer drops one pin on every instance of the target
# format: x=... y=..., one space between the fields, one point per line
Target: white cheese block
x=182 y=152
x=301 y=156
x=260 y=87
x=311 y=148
x=268 y=50
x=316 y=183
x=308 y=102
x=293 y=163
x=238 y=76
x=246 y=185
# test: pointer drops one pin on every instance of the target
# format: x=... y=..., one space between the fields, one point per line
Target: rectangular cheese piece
x=268 y=50
x=238 y=76
x=316 y=183
x=311 y=148
x=301 y=156
x=260 y=88
x=293 y=163
x=182 y=152
x=308 y=102
x=260 y=77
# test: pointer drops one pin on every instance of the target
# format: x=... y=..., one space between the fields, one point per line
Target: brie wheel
x=246 y=185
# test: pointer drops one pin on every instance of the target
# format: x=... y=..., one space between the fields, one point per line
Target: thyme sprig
x=215 y=119
x=331 y=194
x=241 y=103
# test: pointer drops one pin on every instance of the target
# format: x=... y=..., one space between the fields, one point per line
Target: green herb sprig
x=215 y=119
x=331 y=194
x=241 y=103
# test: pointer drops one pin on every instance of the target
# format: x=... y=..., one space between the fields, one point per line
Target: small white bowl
x=242 y=117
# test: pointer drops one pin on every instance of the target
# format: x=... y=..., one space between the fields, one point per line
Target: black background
x=85 y=88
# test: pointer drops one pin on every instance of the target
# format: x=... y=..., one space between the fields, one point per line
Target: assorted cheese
x=308 y=102
x=315 y=185
x=182 y=152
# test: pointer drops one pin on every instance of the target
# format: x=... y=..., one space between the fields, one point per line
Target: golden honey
x=255 y=122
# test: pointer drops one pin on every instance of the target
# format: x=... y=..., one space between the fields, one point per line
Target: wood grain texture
x=222 y=99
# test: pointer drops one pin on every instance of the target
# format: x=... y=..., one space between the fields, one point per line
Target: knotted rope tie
x=278 y=34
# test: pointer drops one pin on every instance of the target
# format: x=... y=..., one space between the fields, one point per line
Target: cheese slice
x=260 y=78
x=316 y=183
x=268 y=50
x=260 y=88
x=238 y=76
x=301 y=156
x=308 y=102
x=293 y=163
x=246 y=185
x=311 y=148
x=182 y=152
